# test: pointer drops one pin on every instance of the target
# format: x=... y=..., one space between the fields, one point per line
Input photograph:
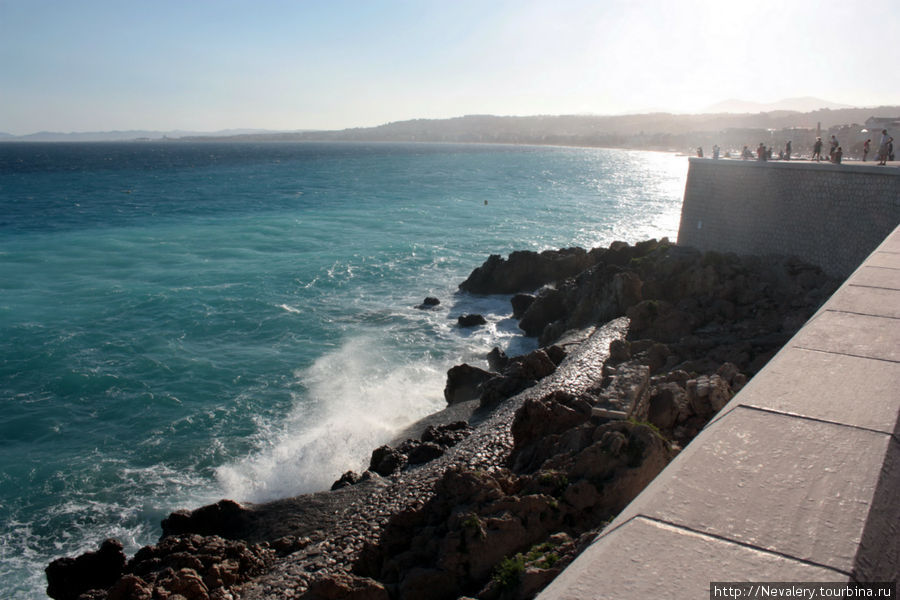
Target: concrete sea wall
x=830 y=215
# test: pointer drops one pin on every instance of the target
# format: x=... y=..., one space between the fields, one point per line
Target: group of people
x=763 y=154
x=835 y=152
x=885 y=148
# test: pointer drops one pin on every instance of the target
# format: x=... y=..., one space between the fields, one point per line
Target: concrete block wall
x=830 y=215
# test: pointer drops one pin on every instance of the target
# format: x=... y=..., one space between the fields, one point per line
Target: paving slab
x=853 y=334
x=785 y=484
x=875 y=301
x=876 y=277
x=878 y=558
x=830 y=387
x=891 y=243
x=648 y=559
x=882 y=258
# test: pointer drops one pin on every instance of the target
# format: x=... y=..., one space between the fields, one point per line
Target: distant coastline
x=651 y=131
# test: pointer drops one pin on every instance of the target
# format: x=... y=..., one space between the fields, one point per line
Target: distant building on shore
x=879 y=123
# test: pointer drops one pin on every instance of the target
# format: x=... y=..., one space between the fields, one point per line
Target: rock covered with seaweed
x=640 y=346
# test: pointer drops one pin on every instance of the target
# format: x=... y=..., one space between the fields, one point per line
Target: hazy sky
x=89 y=65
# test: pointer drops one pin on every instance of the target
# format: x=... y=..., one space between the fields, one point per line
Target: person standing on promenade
x=817 y=149
x=761 y=152
x=883 y=148
x=787 y=150
x=836 y=157
x=834 y=146
x=866 y=149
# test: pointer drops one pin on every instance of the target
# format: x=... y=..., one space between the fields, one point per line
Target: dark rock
x=520 y=303
x=547 y=307
x=706 y=395
x=67 y=578
x=430 y=303
x=595 y=296
x=730 y=373
x=341 y=586
x=500 y=388
x=289 y=544
x=464 y=383
x=225 y=518
x=428 y=584
x=386 y=461
x=348 y=478
x=539 y=418
x=423 y=452
x=659 y=320
x=521 y=373
x=532 y=366
x=474 y=320
x=187 y=583
x=497 y=359
x=664 y=406
x=657 y=355
x=447 y=435
x=130 y=587
x=619 y=350
x=526 y=270
x=555 y=354
x=185 y=562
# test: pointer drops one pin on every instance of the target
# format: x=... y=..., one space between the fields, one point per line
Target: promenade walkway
x=796 y=479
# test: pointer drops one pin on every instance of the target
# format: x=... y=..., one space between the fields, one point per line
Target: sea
x=184 y=322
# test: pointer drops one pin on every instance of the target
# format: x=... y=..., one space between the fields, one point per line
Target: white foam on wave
x=354 y=399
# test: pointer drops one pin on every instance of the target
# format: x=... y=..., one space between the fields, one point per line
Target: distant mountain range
x=805 y=104
x=123 y=136
x=647 y=130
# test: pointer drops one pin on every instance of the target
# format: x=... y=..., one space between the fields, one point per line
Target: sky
x=208 y=65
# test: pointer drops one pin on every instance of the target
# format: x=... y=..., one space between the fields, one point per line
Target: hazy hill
x=805 y=104
x=652 y=131
x=662 y=131
x=122 y=136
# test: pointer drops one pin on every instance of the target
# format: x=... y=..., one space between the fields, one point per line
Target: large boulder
x=548 y=306
x=526 y=270
x=194 y=565
x=464 y=383
x=471 y=320
x=520 y=373
x=497 y=359
x=386 y=460
x=659 y=320
x=520 y=303
x=342 y=586
x=225 y=518
x=67 y=578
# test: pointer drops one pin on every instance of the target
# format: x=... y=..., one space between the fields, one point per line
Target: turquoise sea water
x=184 y=322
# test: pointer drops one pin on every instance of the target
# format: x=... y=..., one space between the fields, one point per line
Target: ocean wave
x=355 y=399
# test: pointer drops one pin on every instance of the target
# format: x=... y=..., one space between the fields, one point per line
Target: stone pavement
x=796 y=479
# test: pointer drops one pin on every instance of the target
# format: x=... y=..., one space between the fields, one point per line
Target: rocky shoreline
x=640 y=346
